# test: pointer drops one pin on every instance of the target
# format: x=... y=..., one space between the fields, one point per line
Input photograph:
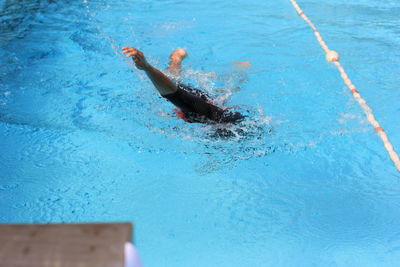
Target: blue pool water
x=84 y=137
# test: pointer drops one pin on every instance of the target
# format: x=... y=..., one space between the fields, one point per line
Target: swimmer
x=194 y=105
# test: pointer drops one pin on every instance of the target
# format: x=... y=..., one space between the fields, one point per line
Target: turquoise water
x=84 y=137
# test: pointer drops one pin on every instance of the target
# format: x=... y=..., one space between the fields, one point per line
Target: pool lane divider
x=333 y=56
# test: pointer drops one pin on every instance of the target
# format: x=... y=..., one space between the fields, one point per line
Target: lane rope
x=333 y=56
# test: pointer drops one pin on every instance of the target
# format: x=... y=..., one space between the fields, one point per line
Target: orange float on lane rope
x=333 y=56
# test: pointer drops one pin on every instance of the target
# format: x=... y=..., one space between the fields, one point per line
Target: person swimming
x=194 y=105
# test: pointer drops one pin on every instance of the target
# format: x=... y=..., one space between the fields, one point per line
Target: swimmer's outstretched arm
x=163 y=84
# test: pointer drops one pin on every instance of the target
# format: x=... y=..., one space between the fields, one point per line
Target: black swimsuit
x=197 y=106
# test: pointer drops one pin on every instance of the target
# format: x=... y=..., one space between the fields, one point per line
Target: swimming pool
x=84 y=137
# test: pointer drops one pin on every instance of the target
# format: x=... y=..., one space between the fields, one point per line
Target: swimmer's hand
x=137 y=57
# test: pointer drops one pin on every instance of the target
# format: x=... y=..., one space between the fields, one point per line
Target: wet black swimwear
x=197 y=106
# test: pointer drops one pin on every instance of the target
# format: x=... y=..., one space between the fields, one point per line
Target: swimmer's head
x=232 y=117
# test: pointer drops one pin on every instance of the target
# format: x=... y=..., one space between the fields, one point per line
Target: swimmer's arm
x=163 y=84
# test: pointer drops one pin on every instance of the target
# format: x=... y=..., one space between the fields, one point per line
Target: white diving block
x=132 y=258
